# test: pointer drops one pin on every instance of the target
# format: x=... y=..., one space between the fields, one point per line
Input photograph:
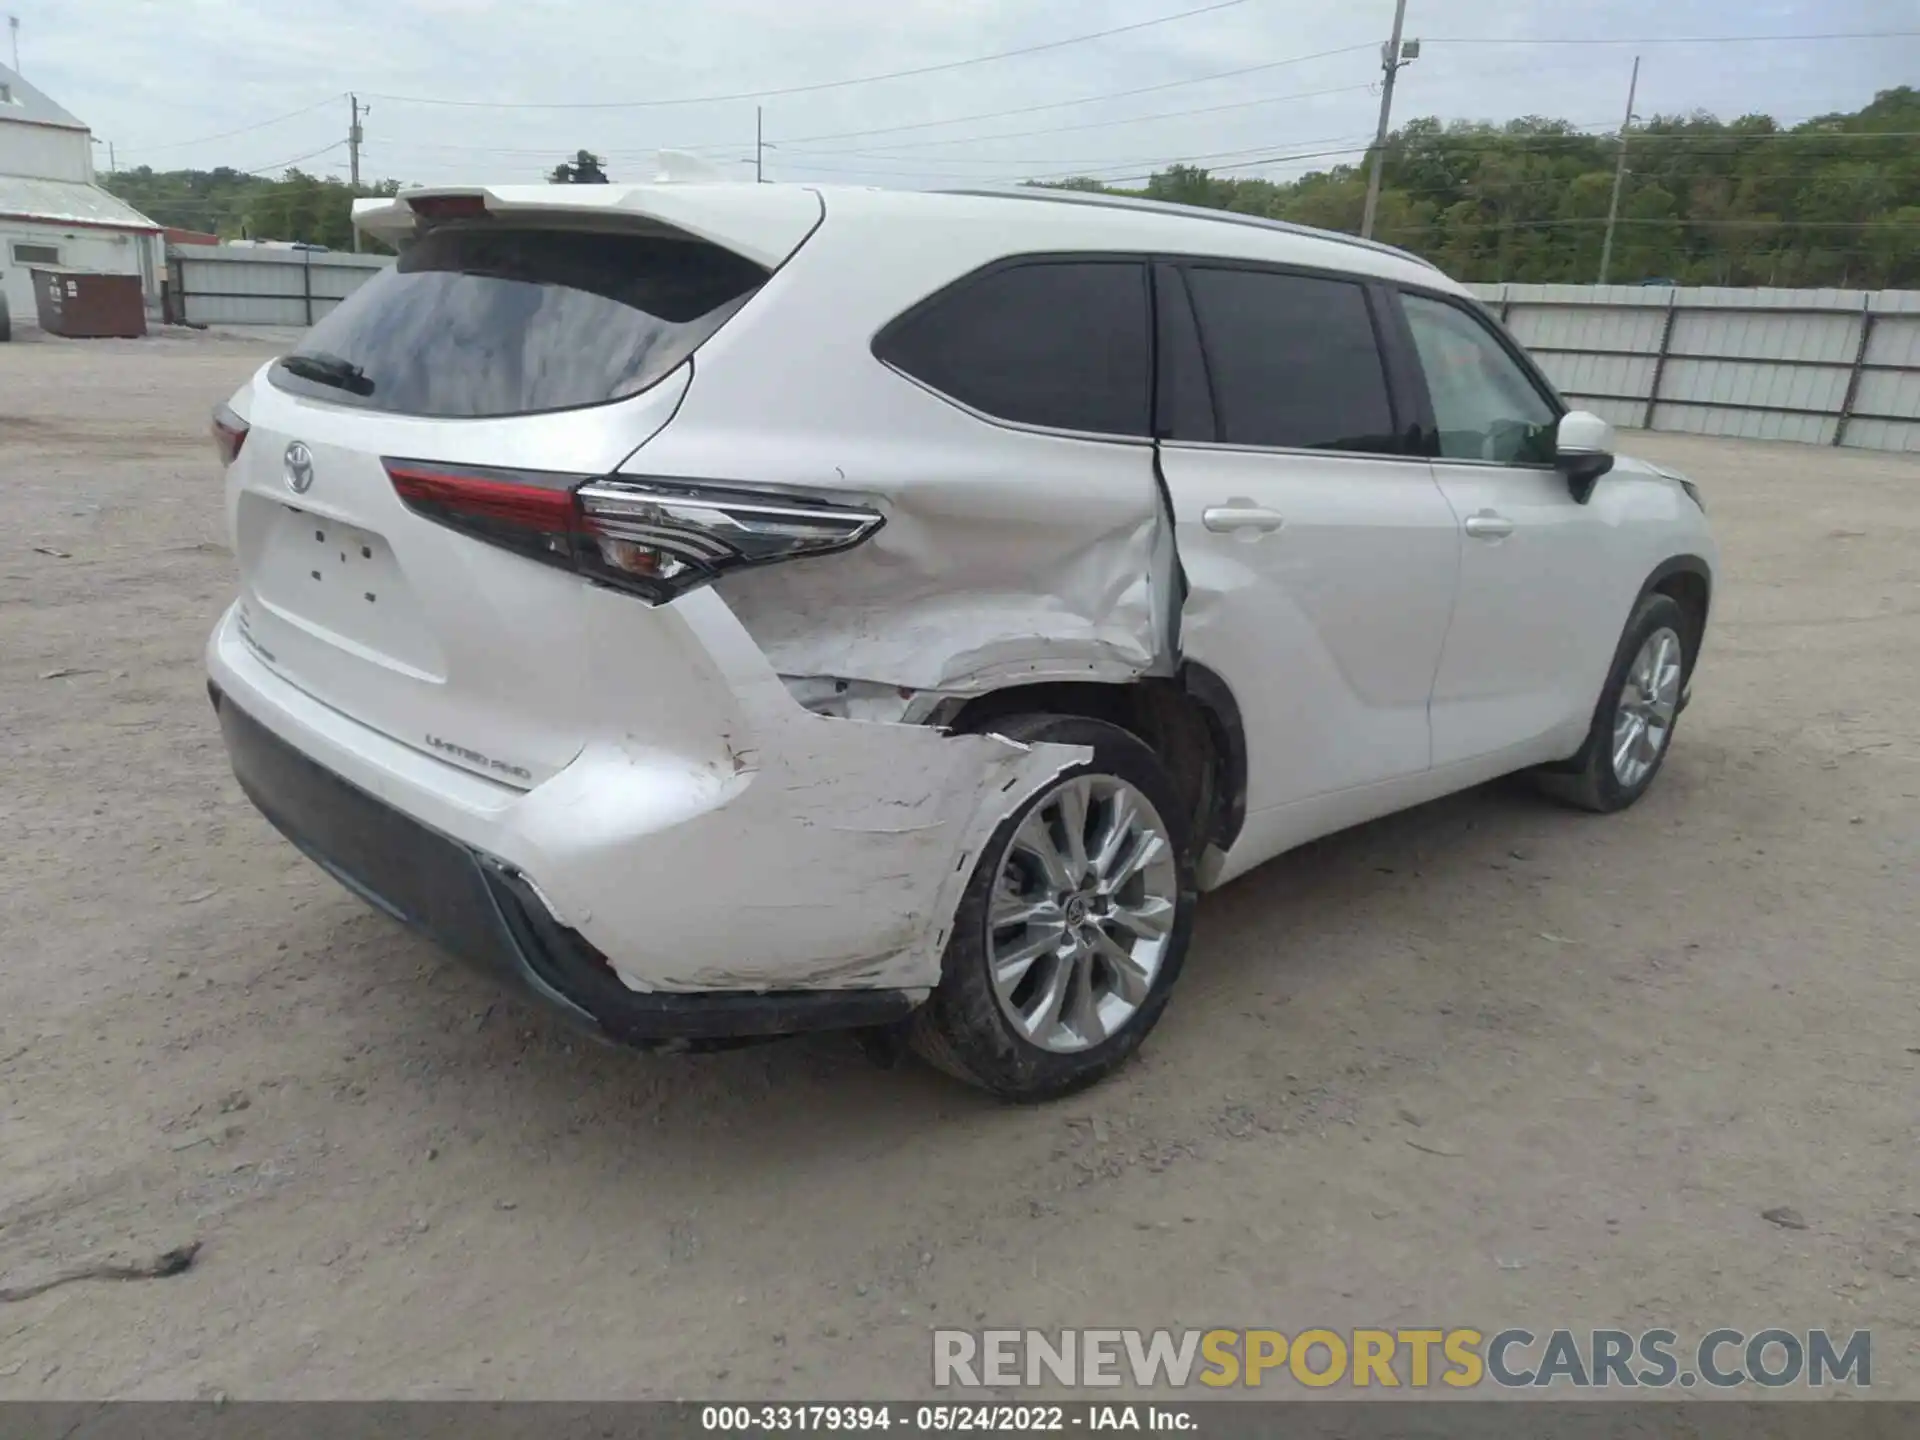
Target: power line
x=1098 y=124
x=1086 y=99
x=1664 y=39
x=1437 y=145
x=1528 y=141
x=285 y=164
x=1684 y=224
x=244 y=129
x=820 y=84
x=913 y=164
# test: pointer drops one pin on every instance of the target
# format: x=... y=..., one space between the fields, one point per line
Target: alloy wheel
x=1081 y=912
x=1643 y=720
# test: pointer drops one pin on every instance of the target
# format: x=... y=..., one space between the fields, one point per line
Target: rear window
x=1045 y=342
x=488 y=320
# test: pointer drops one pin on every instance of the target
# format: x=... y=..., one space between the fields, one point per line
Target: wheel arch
x=1688 y=581
x=1191 y=721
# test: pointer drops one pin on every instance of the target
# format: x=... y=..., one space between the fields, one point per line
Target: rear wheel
x=1073 y=927
x=1633 y=724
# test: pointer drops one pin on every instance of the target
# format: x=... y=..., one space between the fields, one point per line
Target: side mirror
x=1582 y=451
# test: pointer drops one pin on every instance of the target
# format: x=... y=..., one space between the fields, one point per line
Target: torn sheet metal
x=980 y=580
x=805 y=853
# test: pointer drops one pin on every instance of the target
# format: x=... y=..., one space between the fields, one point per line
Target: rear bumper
x=485 y=913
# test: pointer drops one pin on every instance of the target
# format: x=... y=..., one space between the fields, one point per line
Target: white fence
x=1825 y=367
x=246 y=285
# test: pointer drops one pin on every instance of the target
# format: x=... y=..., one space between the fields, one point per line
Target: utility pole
x=1392 y=56
x=13 y=24
x=759 y=144
x=1619 y=175
x=353 y=160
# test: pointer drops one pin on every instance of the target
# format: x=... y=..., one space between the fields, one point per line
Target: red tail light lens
x=229 y=434
x=656 y=538
x=528 y=511
x=450 y=207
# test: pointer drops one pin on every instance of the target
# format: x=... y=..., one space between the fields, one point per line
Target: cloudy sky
x=217 y=82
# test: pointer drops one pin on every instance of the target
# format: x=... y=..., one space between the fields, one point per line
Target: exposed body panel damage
x=804 y=820
x=974 y=584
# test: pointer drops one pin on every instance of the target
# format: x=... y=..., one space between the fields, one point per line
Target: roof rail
x=1195 y=212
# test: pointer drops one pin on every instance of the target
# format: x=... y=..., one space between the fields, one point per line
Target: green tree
x=1833 y=201
x=237 y=206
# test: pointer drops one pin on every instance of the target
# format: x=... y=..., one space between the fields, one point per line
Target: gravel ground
x=1485 y=1063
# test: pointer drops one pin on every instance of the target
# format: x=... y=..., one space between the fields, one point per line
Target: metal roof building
x=51 y=212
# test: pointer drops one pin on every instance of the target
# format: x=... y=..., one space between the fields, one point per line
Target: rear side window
x=488 y=320
x=1293 y=360
x=1062 y=344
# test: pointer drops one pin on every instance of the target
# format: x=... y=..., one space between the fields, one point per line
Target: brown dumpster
x=85 y=306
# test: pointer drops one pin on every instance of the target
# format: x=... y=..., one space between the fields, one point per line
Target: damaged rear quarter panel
x=1028 y=557
x=1008 y=554
x=812 y=853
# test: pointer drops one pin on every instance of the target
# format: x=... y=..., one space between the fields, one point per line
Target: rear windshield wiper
x=324 y=369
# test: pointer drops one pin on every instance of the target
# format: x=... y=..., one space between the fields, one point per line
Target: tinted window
x=484 y=320
x=1293 y=361
x=1185 y=401
x=1055 y=343
x=1484 y=405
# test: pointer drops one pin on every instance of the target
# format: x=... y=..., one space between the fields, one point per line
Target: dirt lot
x=1486 y=1063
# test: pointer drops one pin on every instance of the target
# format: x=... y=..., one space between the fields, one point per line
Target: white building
x=51 y=212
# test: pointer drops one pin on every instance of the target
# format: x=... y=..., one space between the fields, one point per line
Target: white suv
x=727 y=610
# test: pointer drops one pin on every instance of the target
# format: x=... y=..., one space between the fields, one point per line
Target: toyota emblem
x=299 y=463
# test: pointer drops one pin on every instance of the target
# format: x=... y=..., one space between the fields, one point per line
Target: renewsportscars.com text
x=1458 y=1359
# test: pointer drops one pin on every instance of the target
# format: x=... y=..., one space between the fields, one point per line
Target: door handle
x=1223 y=518
x=1488 y=526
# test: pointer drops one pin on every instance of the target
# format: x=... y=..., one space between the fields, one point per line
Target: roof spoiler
x=763 y=223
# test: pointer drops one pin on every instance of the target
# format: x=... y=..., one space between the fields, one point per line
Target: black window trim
x=959 y=283
x=1408 y=402
x=1169 y=286
x=1403 y=405
x=1416 y=378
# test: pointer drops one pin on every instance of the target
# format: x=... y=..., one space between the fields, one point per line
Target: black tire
x=6 y=321
x=1588 y=781
x=962 y=1028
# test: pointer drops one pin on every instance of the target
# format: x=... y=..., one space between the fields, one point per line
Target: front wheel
x=1073 y=927
x=1633 y=724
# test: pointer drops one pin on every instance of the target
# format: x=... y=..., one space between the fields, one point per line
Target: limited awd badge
x=299 y=466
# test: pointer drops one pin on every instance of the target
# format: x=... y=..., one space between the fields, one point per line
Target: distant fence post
x=306 y=283
x=1660 y=358
x=1853 y=375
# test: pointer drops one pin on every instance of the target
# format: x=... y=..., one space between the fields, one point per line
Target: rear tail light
x=229 y=434
x=450 y=207
x=656 y=538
